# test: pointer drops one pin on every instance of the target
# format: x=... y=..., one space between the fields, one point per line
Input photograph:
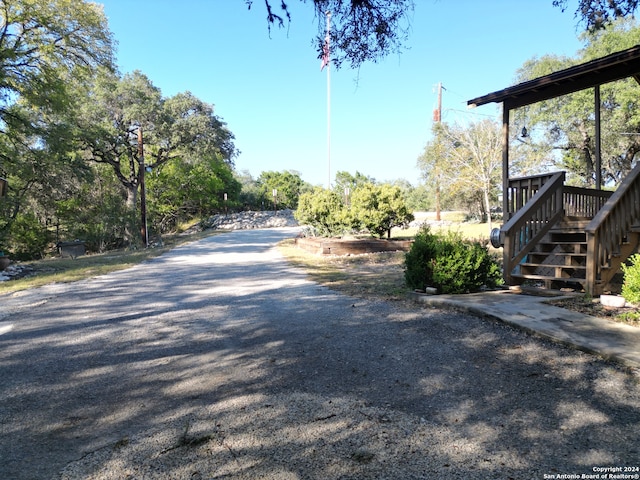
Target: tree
x=45 y=48
x=566 y=124
x=94 y=211
x=249 y=197
x=186 y=188
x=345 y=183
x=433 y=165
x=476 y=157
x=466 y=162
x=288 y=186
x=598 y=14
x=362 y=30
x=122 y=111
x=45 y=42
x=323 y=210
x=379 y=208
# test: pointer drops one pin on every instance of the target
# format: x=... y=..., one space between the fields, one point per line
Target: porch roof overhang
x=597 y=72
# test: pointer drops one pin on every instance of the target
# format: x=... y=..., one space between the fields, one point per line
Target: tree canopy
x=43 y=43
x=566 y=125
x=598 y=14
x=361 y=30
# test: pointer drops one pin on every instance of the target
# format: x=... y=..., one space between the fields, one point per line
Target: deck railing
x=521 y=190
x=609 y=229
x=584 y=202
x=540 y=199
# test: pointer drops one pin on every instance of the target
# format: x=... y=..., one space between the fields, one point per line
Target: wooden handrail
x=584 y=202
x=521 y=189
x=611 y=225
x=531 y=222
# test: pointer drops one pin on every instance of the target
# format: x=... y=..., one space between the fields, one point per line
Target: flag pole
x=328 y=62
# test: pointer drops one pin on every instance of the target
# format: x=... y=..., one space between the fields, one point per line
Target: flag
x=325 y=53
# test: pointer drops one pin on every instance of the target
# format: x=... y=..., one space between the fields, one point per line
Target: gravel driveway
x=218 y=360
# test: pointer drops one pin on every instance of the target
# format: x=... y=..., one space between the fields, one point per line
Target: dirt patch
x=593 y=307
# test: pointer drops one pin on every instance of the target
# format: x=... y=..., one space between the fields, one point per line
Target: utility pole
x=327 y=59
x=143 y=193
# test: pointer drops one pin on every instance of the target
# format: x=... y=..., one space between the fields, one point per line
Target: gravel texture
x=218 y=360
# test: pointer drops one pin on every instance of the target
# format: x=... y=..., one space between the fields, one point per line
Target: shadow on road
x=220 y=359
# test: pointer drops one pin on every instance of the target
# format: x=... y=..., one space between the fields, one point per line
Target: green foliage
x=562 y=128
x=345 y=183
x=450 y=264
x=379 y=208
x=462 y=166
x=631 y=285
x=249 y=197
x=288 y=186
x=323 y=210
x=95 y=213
x=43 y=43
x=376 y=208
x=28 y=238
x=181 y=190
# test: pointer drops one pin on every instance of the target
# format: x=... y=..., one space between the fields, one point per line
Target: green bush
x=450 y=264
x=28 y=238
x=379 y=208
x=631 y=283
x=323 y=210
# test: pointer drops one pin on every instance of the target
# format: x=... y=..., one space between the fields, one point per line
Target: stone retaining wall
x=250 y=220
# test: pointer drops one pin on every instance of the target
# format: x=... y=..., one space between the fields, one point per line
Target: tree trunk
x=130 y=226
x=487 y=205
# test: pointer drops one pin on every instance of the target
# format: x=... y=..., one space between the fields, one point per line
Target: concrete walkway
x=614 y=341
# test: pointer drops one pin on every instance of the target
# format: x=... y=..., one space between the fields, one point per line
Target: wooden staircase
x=561 y=235
x=559 y=259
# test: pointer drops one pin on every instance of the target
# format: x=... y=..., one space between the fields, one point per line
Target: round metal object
x=494 y=236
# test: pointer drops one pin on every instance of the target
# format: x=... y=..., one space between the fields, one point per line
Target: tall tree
x=475 y=156
x=43 y=43
x=433 y=165
x=566 y=124
x=122 y=112
x=598 y=14
x=288 y=186
x=362 y=30
x=466 y=162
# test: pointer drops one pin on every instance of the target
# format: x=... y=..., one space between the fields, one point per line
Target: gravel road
x=219 y=360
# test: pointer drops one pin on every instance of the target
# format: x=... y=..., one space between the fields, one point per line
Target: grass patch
x=64 y=270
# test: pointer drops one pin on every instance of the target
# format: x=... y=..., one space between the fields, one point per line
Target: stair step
x=560 y=248
x=548 y=278
x=532 y=263
x=559 y=271
x=566 y=236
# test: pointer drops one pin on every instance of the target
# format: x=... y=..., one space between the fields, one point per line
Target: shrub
x=450 y=264
x=379 y=208
x=323 y=210
x=631 y=283
x=28 y=238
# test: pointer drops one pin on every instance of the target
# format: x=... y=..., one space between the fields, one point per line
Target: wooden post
x=143 y=193
x=507 y=248
x=598 y=138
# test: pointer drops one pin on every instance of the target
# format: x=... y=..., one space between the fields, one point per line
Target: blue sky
x=270 y=91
